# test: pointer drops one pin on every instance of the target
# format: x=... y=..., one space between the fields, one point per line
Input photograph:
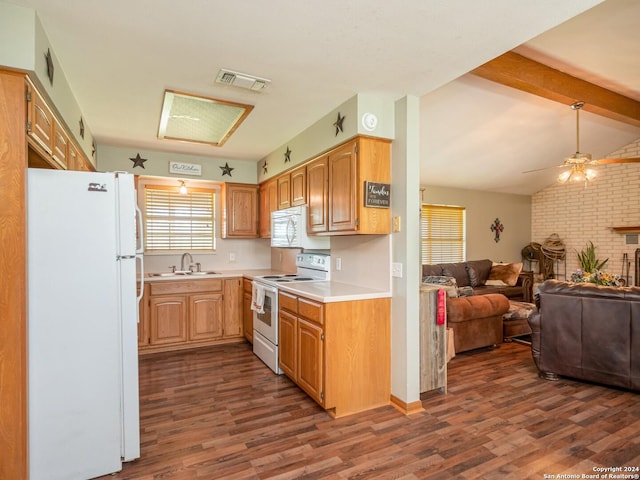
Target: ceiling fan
x=578 y=165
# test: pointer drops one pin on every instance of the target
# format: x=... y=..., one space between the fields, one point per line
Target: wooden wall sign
x=377 y=194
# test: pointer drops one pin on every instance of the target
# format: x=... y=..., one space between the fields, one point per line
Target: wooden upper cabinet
x=284 y=191
x=268 y=203
x=299 y=186
x=342 y=171
x=60 y=145
x=50 y=146
x=335 y=188
x=39 y=119
x=317 y=195
x=240 y=210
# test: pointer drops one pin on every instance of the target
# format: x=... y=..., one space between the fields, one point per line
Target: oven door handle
x=265 y=287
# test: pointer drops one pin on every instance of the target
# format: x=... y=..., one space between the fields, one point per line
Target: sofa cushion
x=472 y=273
x=458 y=271
x=504 y=274
x=463 y=309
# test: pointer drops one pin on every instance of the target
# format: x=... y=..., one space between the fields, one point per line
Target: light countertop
x=325 y=292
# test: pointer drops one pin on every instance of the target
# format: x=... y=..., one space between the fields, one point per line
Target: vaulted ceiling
x=120 y=56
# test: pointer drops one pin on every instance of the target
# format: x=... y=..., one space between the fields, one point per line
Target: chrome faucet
x=184 y=256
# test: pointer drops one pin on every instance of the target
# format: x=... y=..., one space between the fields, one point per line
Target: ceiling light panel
x=194 y=118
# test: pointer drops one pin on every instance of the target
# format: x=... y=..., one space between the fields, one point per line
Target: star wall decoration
x=338 y=124
x=226 y=170
x=93 y=149
x=49 y=60
x=81 y=128
x=138 y=161
x=264 y=167
x=287 y=155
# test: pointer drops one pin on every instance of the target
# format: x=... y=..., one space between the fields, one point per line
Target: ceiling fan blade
x=545 y=168
x=607 y=161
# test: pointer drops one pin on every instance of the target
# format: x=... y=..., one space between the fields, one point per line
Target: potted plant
x=588 y=261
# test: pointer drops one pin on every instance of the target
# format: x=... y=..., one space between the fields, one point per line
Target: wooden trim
x=626 y=230
x=407 y=408
x=514 y=70
x=13 y=264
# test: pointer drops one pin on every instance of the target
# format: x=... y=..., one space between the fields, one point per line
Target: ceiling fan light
x=578 y=176
x=564 y=176
x=590 y=174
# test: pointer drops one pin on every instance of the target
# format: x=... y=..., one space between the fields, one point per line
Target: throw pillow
x=439 y=280
x=474 y=280
x=505 y=273
x=448 y=284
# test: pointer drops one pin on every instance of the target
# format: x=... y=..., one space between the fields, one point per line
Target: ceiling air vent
x=242 y=80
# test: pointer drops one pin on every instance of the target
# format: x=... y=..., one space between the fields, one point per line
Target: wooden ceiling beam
x=516 y=71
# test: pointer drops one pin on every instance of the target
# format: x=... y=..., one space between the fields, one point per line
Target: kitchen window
x=442 y=232
x=175 y=221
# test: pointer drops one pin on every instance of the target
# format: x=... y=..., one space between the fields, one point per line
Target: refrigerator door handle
x=139 y=297
x=140 y=248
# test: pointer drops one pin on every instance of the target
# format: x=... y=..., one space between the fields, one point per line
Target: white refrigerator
x=83 y=260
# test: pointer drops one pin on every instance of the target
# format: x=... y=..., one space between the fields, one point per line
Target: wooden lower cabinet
x=205 y=316
x=310 y=359
x=190 y=313
x=247 y=313
x=339 y=353
x=168 y=319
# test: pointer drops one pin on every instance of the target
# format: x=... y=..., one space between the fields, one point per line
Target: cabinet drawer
x=186 y=286
x=310 y=310
x=288 y=302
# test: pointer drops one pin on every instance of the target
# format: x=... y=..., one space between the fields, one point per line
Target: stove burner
x=303 y=279
x=271 y=276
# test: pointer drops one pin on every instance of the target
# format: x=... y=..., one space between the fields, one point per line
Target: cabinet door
x=232 y=326
x=168 y=319
x=299 y=186
x=287 y=344
x=342 y=189
x=268 y=203
x=205 y=316
x=240 y=216
x=247 y=317
x=40 y=120
x=317 y=185
x=310 y=359
x=60 y=145
x=284 y=191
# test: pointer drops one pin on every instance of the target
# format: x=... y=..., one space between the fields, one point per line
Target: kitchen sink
x=183 y=273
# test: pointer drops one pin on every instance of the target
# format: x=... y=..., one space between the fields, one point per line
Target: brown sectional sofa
x=474 y=274
x=587 y=332
x=477 y=320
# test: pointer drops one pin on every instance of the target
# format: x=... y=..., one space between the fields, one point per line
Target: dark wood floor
x=219 y=413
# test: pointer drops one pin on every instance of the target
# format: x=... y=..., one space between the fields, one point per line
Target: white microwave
x=289 y=229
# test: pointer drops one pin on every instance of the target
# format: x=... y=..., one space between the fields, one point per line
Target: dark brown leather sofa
x=587 y=332
x=474 y=274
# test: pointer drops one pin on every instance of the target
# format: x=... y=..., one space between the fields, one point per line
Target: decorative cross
x=498 y=228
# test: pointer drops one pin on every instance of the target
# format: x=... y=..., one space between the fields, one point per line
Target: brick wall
x=578 y=214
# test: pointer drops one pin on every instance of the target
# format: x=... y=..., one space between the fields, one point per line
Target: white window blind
x=175 y=221
x=442 y=230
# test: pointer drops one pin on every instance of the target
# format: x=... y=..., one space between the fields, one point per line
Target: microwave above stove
x=289 y=230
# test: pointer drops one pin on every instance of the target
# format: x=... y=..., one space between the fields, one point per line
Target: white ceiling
x=120 y=56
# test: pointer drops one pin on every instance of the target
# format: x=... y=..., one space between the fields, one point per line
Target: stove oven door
x=266 y=323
